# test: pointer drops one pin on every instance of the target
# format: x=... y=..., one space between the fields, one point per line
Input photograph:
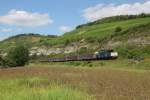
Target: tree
x=18 y=56
x=1 y=60
x=142 y=15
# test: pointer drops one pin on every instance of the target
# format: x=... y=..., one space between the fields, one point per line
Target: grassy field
x=120 y=63
x=37 y=89
x=58 y=82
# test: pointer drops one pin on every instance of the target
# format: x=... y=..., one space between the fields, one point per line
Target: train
x=99 y=55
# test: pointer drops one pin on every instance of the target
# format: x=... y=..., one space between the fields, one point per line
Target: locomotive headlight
x=114 y=54
x=96 y=53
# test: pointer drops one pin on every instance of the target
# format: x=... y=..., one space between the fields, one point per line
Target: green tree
x=18 y=56
x=2 y=63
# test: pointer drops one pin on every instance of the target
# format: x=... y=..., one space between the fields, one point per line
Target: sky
x=55 y=17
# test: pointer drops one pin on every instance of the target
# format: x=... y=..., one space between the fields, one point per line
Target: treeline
x=114 y=18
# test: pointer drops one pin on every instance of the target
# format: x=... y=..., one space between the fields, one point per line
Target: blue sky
x=56 y=16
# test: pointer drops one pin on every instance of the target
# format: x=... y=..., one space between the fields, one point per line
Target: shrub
x=73 y=63
x=90 y=39
x=134 y=52
x=67 y=41
x=2 y=63
x=118 y=29
x=18 y=56
x=83 y=50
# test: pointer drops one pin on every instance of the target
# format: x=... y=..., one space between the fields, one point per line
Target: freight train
x=100 y=55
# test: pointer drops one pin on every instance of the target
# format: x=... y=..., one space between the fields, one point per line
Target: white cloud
x=64 y=29
x=100 y=11
x=6 y=30
x=26 y=19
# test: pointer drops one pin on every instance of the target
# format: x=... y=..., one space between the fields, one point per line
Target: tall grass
x=37 y=89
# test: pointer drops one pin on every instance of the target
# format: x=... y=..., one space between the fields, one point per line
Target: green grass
x=37 y=89
x=120 y=63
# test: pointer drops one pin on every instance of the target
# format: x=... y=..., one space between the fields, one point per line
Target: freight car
x=100 y=55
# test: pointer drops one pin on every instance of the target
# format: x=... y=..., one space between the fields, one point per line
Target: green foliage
x=133 y=52
x=38 y=89
x=79 y=63
x=2 y=63
x=1 y=60
x=18 y=56
x=102 y=31
x=73 y=63
x=45 y=42
x=67 y=41
x=90 y=39
x=140 y=31
x=118 y=29
x=83 y=50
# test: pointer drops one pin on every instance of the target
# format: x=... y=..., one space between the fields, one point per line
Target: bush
x=67 y=41
x=118 y=29
x=2 y=63
x=73 y=63
x=83 y=50
x=134 y=52
x=18 y=56
x=90 y=39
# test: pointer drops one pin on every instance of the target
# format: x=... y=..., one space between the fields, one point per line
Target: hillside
x=90 y=37
x=28 y=40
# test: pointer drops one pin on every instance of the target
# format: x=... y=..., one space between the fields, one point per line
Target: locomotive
x=100 y=55
x=106 y=54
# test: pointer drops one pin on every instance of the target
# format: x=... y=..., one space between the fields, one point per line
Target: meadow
x=37 y=89
x=60 y=82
